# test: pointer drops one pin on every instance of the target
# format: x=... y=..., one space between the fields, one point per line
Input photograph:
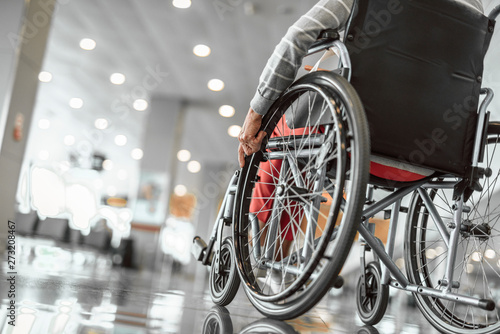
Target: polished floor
x=63 y=291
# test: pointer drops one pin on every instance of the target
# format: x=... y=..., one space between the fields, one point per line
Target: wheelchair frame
x=394 y=199
x=391 y=274
x=225 y=215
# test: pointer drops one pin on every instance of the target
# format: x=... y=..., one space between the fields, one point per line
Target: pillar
x=160 y=144
x=19 y=92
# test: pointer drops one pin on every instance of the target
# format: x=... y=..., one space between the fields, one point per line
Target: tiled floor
x=62 y=292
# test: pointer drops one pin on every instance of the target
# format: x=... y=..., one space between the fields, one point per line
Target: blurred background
x=118 y=121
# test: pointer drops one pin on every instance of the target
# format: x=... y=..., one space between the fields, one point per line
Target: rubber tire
x=226 y=296
x=336 y=85
x=422 y=303
x=268 y=326
x=218 y=321
x=367 y=330
x=373 y=316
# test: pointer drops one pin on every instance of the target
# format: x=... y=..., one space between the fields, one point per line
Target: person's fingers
x=241 y=156
x=241 y=137
x=250 y=148
x=243 y=148
x=261 y=135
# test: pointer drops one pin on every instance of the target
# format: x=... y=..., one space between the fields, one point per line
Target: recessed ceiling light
x=87 y=44
x=45 y=76
x=140 y=104
x=137 y=154
x=226 y=111
x=234 y=130
x=43 y=155
x=183 y=155
x=120 y=140
x=69 y=140
x=181 y=3
x=216 y=85
x=117 y=78
x=44 y=124
x=201 y=50
x=101 y=123
x=76 y=103
x=107 y=164
x=180 y=190
x=194 y=166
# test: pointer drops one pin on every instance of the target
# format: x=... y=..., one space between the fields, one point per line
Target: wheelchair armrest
x=325 y=41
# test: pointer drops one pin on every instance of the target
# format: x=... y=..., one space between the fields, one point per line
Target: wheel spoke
x=476 y=268
x=287 y=194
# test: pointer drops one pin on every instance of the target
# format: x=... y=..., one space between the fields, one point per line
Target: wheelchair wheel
x=477 y=265
x=224 y=283
x=306 y=190
x=367 y=330
x=268 y=326
x=218 y=321
x=372 y=298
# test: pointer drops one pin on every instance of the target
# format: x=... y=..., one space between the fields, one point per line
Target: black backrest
x=417 y=66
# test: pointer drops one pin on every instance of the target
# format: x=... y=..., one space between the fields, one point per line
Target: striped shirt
x=282 y=66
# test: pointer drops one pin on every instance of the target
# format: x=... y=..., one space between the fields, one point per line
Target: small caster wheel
x=218 y=321
x=224 y=280
x=372 y=297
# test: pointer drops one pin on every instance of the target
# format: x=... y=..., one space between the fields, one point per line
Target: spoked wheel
x=268 y=326
x=299 y=200
x=477 y=262
x=224 y=280
x=371 y=296
x=218 y=321
x=367 y=330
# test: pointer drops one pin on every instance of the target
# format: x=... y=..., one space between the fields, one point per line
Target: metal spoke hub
x=294 y=193
x=280 y=190
x=480 y=231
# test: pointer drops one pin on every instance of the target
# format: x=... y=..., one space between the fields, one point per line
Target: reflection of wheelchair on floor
x=218 y=321
x=296 y=206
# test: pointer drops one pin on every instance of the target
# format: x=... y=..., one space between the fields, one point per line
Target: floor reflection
x=66 y=291
x=368 y=330
x=218 y=321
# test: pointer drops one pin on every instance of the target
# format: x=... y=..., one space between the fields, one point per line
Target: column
x=160 y=144
x=19 y=94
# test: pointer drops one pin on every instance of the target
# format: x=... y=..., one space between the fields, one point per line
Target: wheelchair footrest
x=199 y=248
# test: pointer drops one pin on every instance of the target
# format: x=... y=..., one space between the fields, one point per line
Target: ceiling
x=137 y=37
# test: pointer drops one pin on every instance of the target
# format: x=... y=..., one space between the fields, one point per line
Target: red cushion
x=392 y=173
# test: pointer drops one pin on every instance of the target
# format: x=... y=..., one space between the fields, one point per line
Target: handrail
x=494 y=13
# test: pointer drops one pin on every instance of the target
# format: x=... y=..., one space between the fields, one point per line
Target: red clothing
x=262 y=201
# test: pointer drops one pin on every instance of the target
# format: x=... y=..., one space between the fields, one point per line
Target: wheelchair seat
x=417 y=66
x=399 y=173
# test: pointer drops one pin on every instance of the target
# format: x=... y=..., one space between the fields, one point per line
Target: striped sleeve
x=286 y=59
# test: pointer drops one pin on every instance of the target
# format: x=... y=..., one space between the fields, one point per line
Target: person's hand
x=250 y=138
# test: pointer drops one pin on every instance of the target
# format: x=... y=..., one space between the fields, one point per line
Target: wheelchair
x=403 y=114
